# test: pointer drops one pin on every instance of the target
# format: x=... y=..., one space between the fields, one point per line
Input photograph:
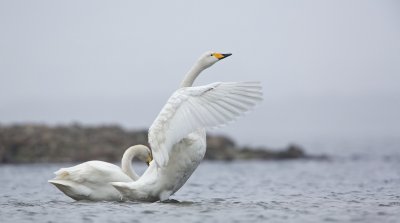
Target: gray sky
x=330 y=69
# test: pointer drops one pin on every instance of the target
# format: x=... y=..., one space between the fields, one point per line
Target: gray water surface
x=340 y=190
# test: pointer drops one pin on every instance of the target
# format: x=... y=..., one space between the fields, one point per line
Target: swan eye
x=212 y=54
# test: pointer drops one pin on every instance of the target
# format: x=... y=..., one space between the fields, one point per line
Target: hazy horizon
x=330 y=69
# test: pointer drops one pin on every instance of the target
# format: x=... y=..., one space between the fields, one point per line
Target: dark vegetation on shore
x=34 y=143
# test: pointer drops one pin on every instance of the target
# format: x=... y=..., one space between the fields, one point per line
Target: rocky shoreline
x=35 y=143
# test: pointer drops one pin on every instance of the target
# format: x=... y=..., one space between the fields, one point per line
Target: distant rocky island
x=35 y=143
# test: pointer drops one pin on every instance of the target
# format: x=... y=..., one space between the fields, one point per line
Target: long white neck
x=192 y=75
x=126 y=162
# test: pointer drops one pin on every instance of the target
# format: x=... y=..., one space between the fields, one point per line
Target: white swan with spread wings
x=177 y=136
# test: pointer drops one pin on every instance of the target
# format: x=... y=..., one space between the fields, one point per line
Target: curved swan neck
x=126 y=162
x=192 y=75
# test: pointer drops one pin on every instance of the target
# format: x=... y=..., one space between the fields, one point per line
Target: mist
x=329 y=69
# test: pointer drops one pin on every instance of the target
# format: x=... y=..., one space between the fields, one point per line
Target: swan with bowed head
x=177 y=139
x=91 y=180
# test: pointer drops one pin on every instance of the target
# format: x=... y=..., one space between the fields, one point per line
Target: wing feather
x=192 y=108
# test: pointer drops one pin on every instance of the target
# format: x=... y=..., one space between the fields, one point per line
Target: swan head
x=144 y=154
x=209 y=58
x=205 y=61
x=141 y=152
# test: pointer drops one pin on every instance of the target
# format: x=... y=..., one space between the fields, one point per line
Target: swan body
x=159 y=183
x=177 y=136
x=91 y=180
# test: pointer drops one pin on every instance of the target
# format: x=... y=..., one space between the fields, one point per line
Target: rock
x=26 y=143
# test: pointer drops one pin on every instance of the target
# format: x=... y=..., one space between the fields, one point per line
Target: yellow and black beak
x=221 y=56
x=149 y=159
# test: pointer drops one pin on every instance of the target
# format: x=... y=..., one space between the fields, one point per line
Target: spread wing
x=192 y=108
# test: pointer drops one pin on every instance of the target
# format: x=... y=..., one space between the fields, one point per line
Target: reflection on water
x=340 y=190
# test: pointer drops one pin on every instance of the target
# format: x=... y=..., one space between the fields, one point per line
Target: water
x=352 y=189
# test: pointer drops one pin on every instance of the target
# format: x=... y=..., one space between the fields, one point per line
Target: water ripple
x=297 y=191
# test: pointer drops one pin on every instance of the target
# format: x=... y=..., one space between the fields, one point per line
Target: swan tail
x=61 y=174
x=123 y=188
x=129 y=192
x=71 y=189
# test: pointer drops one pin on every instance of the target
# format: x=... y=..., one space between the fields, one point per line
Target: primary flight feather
x=191 y=108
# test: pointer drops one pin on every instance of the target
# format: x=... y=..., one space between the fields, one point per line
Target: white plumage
x=191 y=108
x=177 y=136
x=91 y=180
